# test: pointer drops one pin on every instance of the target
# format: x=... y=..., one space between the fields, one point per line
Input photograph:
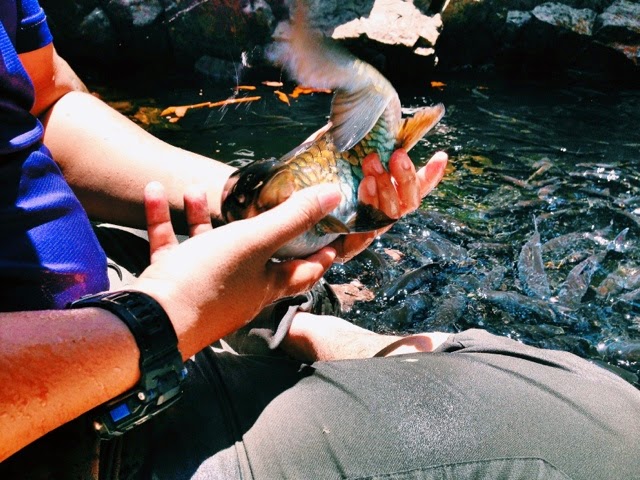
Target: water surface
x=532 y=234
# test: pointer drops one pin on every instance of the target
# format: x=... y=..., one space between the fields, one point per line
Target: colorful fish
x=365 y=117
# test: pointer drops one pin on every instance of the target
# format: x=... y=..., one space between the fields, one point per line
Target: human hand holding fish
x=216 y=281
x=365 y=122
x=396 y=192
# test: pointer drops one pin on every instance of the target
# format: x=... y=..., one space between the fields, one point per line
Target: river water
x=532 y=234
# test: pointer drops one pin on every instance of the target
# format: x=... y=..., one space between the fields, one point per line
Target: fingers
x=368 y=191
x=197 y=210
x=400 y=191
x=430 y=175
x=159 y=228
x=402 y=169
x=299 y=275
x=348 y=246
x=397 y=192
x=387 y=196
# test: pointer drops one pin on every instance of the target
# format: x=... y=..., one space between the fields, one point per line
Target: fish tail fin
x=414 y=128
x=309 y=57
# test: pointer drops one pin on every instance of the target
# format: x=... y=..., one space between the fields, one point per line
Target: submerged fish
x=365 y=117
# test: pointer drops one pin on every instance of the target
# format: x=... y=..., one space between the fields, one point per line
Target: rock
x=619 y=28
x=405 y=39
x=137 y=13
x=518 y=18
x=92 y=30
x=96 y=29
x=402 y=49
x=579 y=21
x=216 y=28
x=411 y=27
x=619 y=23
x=561 y=39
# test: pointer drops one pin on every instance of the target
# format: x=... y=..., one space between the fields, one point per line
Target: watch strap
x=147 y=321
x=161 y=366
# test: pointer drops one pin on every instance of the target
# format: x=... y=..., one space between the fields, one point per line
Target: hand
x=396 y=193
x=219 y=279
x=162 y=237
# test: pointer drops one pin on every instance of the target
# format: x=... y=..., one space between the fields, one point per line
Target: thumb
x=430 y=175
x=296 y=215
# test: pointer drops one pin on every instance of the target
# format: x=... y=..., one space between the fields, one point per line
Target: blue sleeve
x=33 y=32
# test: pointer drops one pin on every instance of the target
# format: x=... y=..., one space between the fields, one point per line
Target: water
x=538 y=172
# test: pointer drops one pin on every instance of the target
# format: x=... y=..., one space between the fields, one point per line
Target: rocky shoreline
x=408 y=40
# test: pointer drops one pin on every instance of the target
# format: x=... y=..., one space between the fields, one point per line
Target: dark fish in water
x=410 y=281
x=578 y=280
x=365 y=117
x=519 y=306
x=531 y=268
x=451 y=307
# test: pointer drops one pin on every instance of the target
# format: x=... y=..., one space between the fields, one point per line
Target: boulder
x=591 y=40
x=619 y=28
x=406 y=39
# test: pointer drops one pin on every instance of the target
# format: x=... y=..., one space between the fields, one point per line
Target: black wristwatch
x=161 y=366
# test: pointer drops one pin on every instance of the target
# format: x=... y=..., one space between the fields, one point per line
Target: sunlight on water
x=564 y=161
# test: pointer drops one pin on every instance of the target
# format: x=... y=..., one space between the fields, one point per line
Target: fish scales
x=366 y=117
x=317 y=165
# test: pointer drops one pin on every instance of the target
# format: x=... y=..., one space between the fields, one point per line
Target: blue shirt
x=49 y=254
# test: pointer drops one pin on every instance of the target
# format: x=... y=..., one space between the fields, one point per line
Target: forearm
x=108 y=164
x=56 y=365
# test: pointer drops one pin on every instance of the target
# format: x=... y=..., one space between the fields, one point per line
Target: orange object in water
x=282 y=97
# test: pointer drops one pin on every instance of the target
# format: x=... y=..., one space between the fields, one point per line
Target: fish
x=531 y=267
x=365 y=117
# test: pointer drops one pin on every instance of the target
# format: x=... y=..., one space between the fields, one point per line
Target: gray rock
x=400 y=37
x=579 y=21
x=410 y=27
x=619 y=23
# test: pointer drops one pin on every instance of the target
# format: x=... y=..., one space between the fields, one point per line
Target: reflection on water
x=533 y=233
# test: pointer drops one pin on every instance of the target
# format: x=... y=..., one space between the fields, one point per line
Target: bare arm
x=55 y=365
x=106 y=158
x=325 y=338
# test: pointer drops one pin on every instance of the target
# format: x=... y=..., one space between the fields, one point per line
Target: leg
x=313 y=337
x=479 y=406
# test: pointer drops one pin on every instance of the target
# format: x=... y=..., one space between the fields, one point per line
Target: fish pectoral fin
x=368 y=218
x=355 y=112
x=414 y=128
x=361 y=92
x=331 y=224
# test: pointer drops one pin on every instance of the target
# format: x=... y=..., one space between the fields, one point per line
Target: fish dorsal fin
x=361 y=92
x=414 y=128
